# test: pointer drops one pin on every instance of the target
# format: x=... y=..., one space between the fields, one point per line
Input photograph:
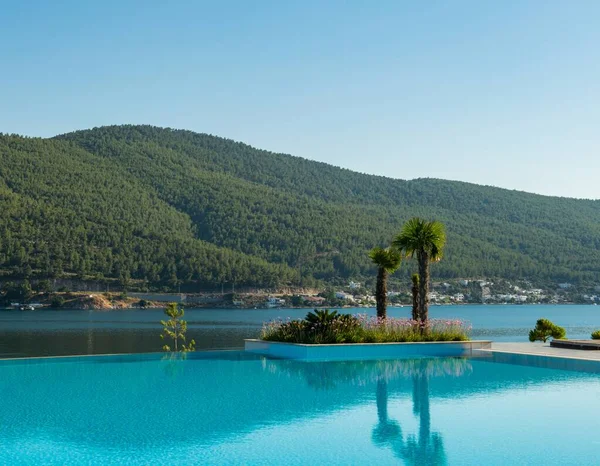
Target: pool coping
x=545 y=350
x=153 y=355
x=544 y=357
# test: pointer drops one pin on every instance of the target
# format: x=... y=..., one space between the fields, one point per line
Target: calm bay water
x=53 y=333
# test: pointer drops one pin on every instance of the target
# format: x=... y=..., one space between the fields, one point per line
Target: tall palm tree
x=387 y=261
x=415 y=296
x=426 y=241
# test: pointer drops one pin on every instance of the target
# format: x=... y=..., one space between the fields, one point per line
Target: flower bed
x=346 y=328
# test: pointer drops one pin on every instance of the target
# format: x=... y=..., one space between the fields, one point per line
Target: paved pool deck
x=542 y=349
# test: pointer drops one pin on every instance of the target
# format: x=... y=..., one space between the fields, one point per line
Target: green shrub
x=57 y=302
x=44 y=286
x=323 y=317
x=545 y=329
x=596 y=335
x=322 y=327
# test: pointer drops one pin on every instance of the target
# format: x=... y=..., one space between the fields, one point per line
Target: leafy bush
x=545 y=329
x=57 y=302
x=596 y=335
x=323 y=317
x=323 y=327
x=44 y=286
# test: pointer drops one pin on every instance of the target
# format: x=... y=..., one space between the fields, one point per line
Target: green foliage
x=44 y=286
x=424 y=240
x=322 y=317
x=334 y=328
x=26 y=290
x=387 y=259
x=175 y=329
x=143 y=303
x=175 y=208
x=17 y=292
x=57 y=302
x=297 y=300
x=545 y=329
x=420 y=236
x=596 y=335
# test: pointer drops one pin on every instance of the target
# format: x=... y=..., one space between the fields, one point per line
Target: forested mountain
x=168 y=205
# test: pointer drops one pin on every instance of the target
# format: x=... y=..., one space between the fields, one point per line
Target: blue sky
x=505 y=93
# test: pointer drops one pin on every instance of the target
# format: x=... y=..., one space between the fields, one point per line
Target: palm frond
x=388 y=259
x=418 y=235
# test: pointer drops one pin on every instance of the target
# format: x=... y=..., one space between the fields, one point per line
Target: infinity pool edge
x=346 y=351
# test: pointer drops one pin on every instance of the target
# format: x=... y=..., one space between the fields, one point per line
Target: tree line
x=171 y=207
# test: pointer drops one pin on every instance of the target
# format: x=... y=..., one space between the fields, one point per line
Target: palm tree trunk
x=415 y=297
x=381 y=293
x=423 y=258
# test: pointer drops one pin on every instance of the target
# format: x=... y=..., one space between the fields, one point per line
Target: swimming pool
x=235 y=408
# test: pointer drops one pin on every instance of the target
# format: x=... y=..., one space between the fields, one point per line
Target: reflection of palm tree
x=386 y=431
x=329 y=375
x=428 y=448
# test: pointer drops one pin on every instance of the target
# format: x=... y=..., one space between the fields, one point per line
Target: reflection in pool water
x=235 y=408
x=426 y=448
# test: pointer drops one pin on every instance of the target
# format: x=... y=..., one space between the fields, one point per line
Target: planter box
x=350 y=351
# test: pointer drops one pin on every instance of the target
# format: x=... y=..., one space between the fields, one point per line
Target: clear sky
x=505 y=93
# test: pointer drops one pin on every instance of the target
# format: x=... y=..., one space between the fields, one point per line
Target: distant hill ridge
x=173 y=206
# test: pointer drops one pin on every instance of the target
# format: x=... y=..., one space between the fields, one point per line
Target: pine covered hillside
x=168 y=206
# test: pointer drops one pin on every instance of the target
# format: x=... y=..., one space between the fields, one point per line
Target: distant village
x=349 y=294
x=453 y=292
x=356 y=294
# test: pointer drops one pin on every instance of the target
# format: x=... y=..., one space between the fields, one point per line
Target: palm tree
x=426 y=241
x=387 y=261
x=415 y=296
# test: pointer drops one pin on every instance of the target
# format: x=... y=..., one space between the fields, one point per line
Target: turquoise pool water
x=234 y=408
